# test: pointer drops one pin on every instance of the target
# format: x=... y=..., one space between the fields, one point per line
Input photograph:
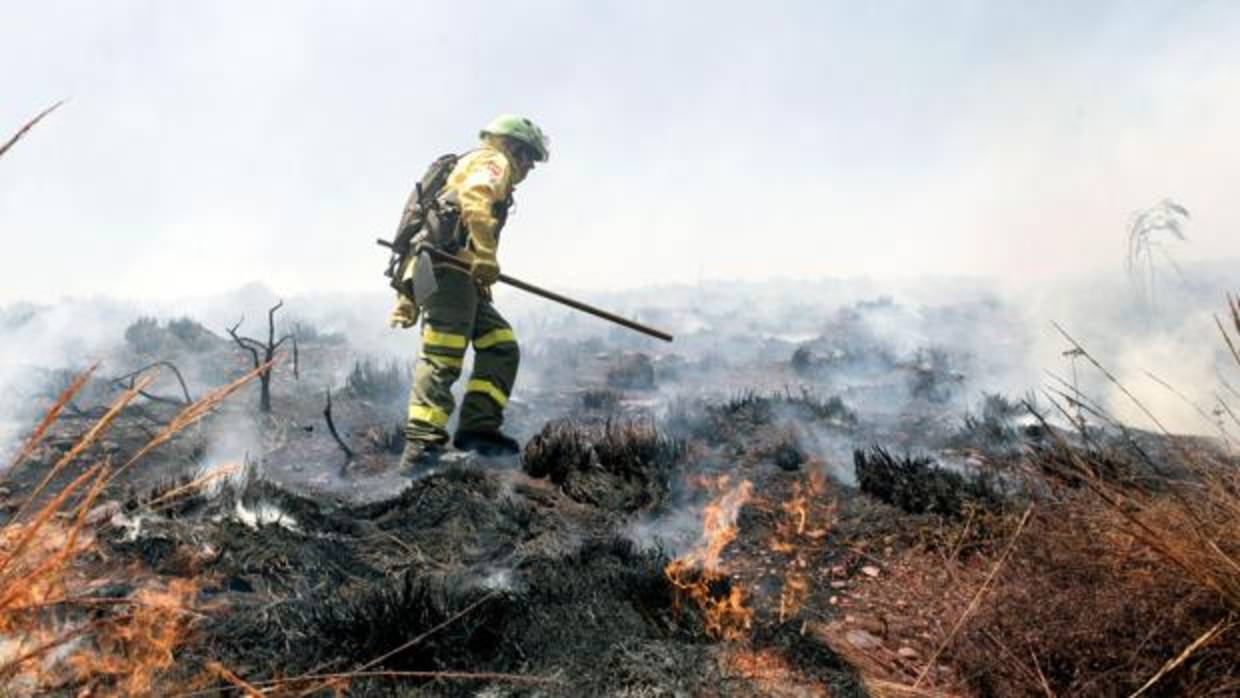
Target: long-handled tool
x=425 y=286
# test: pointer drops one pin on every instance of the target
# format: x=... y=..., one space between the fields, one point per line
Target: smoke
x=675 y=530
x=263 y=514
x=1171 y=358
x=233 y=438
x=997 y=139
x=37 y=342
x=886 y=348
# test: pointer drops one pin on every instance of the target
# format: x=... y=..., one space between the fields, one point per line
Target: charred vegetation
x=181 y=335
x=919 y=485
x=600 y=400
x=641 y=548
x=624 y=465
x=381 y=383
x=633 y=371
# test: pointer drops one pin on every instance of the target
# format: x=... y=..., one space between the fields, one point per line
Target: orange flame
x=699 y=575
x=48 y=577
x=790 y=537
x=135 y=648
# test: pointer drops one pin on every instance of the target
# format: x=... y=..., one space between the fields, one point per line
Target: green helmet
x=521 y=129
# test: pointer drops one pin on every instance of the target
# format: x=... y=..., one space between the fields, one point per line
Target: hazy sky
x=210 y=144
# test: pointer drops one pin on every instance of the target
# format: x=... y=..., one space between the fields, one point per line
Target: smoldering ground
x=318 y=562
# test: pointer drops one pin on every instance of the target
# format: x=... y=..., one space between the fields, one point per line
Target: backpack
x=424 y=217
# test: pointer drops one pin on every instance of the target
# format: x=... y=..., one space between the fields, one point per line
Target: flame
x=699 y=575
x=134 y=649
x=46 y=637
x=771 y=674
x=791 y=536
x=53 y=629
x=761 y=664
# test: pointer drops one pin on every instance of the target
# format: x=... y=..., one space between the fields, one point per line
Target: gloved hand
x=484 y=268
x=405 y=314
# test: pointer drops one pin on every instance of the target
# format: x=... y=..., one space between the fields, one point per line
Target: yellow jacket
x=482 y=180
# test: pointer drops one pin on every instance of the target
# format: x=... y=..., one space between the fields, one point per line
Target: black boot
x=419 y=456
x=486 y=443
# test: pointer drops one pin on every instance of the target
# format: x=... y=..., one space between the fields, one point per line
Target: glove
x=405 y=314
x=484 y=268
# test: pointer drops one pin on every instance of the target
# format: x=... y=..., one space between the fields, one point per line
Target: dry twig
x=1182 y=657
x=381 y=658
x=29 y=125
x=331 y=427
x=976 y=598
x=221 y=671
x=132 y=375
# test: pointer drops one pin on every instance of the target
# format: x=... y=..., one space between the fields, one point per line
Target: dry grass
x=1113 y=588
x=1087 y=609
x=26 y=128
x=52 y=634
x=1081 y=606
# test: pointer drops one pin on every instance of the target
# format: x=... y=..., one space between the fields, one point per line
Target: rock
x=862 y=640
x=838 y=584
x=870 y=571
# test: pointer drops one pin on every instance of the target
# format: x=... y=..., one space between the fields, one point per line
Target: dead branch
x=296 y=358
x=189 y=416
x=264 y=354
x=331 y=427
x=29 y=125
x=131 y=377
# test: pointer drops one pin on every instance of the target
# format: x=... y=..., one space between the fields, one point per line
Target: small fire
x=790 y=537
x=134 y=650
x=699 y=575
x=55 y=630
x=770 y=674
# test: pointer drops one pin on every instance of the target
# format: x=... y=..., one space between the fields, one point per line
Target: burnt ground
x=548 y=576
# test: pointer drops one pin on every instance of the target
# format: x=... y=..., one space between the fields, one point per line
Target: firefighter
x=478 y=192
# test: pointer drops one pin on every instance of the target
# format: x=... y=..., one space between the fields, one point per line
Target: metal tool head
x=424 y=283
